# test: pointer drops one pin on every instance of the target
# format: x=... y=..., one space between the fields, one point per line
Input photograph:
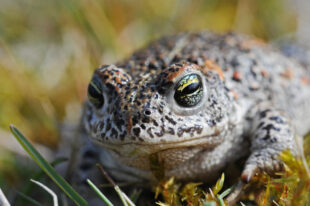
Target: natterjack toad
x=189 y=104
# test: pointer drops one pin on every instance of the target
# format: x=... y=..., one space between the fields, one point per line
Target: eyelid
x=186 y=111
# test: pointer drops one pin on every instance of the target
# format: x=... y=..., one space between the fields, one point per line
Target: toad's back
x=195 y=102
x=253 y=70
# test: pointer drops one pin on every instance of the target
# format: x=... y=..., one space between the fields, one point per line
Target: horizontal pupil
x=93 y=92
x=190 y=88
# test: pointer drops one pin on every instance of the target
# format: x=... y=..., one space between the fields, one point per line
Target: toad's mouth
x=146 y=148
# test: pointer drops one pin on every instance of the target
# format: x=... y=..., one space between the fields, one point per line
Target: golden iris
x=94 y=93
x=189 y=90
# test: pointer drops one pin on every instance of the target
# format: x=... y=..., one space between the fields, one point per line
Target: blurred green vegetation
x=48 y=49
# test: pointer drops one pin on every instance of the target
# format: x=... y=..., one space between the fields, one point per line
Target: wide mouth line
x=175 y=143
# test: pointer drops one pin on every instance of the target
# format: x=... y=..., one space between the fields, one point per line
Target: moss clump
x=290 y=187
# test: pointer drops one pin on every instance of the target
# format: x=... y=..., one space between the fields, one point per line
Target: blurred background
x=48 y=50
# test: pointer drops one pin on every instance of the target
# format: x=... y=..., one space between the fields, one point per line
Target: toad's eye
x=94 y=93
x=189 y=90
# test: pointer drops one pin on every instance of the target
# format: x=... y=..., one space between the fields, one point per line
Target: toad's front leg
x=271 y=133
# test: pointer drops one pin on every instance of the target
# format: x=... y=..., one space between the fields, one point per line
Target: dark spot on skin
x=109 y=86
x=198 y=128
x=260 y=125
x=192 y=130
x=277 y=119
x=161 y=132
x=142 y=126
x=155 y=123
x=136 y=131
x=146 y=120
x=266 y=137
x=170 y=120
x=171 y=131
x=119 y=122
x=108 y=125
x=114 y=132
x=270 y=127
x=226 y=89
x=180 y=131
x=219 y=118
x=253 y=72
x=273 y=140
x=189 y=130
x=211 y=123
x=171 y=70
x=101 y=126
x=134 y=120
x=149 y=131
x=263 y=113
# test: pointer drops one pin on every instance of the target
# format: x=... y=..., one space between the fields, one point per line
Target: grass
x=61 y=183
x=47 y=168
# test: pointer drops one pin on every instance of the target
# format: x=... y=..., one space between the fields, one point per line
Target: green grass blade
x=47 y=168
x=225 y=193
x=120 y=194
x=99 y=193
x=37 y=176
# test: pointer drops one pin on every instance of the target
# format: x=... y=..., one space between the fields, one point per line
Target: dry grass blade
x=124 y=198
x=51 y=192
x=3 y=200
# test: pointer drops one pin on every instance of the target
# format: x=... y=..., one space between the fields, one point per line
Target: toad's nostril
x=147 y=112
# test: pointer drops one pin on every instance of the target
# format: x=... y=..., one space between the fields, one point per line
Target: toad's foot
x=265 y=160
x=272 y=134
